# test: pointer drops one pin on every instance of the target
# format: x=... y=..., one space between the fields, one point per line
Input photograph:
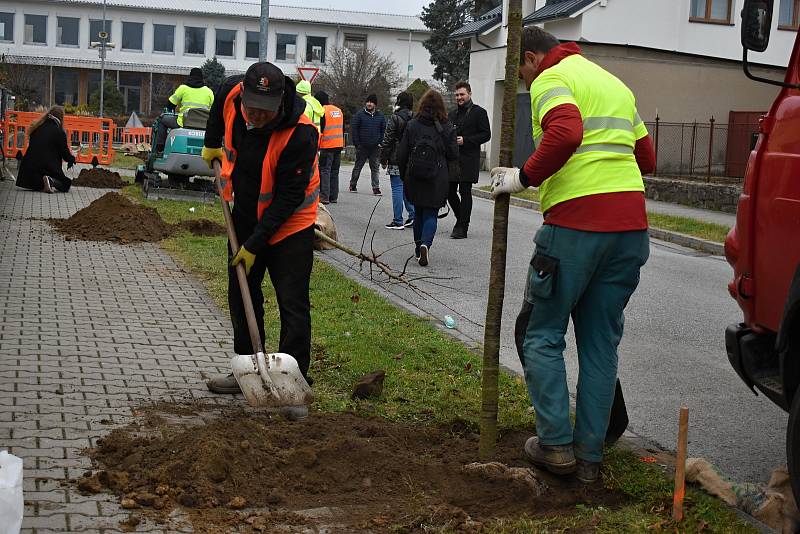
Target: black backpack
x=426 y=156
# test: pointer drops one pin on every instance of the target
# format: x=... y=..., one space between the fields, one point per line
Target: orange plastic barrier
x=136 y=135
x=89 y=137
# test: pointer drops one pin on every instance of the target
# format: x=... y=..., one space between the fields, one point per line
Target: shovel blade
x=272 y=380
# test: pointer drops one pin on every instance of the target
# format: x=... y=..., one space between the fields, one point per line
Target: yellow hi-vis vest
x=186 y=98
x=604 y=163
x=314 y=110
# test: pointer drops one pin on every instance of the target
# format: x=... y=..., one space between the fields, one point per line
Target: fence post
x=710 y=147
x=655 y=168
x=691 y=148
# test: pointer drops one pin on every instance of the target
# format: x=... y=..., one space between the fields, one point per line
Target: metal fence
x=702 y=149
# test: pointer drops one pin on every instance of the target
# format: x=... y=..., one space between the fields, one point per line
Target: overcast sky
x=404 y=7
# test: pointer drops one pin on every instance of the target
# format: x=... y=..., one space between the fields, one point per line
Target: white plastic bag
x=11 y=503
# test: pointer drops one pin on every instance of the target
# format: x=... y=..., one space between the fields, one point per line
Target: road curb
x=703 y=245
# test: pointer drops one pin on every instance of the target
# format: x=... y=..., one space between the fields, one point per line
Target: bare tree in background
x=26 y=82
x=163 y=87
x=351 y=74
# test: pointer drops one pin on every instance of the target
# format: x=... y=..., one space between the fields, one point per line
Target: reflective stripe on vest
x=333 y=135
x=194 y=98
x=306 y=213
x=605 y=161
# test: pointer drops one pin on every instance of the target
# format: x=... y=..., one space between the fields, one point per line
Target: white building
x=155 y=40
x=681 y=58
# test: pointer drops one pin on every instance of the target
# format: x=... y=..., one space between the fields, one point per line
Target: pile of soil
x=114 y=217
x=248 y=472
x=100 y=178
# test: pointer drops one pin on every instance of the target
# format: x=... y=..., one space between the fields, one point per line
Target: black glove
x=70 y=164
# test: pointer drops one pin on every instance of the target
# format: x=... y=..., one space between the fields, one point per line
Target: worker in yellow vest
x=331 y=144
x=268 y=149
x=314 y=109
x=591 y=151
x=192 y=93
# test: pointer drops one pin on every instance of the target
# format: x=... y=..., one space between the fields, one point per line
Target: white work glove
x=505 y=180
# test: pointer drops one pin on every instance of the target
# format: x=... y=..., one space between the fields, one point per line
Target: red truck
x=764 y=246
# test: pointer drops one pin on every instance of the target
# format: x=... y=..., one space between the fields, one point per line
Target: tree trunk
x=497 y=276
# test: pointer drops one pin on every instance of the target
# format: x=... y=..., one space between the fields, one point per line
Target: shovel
x=266 y=380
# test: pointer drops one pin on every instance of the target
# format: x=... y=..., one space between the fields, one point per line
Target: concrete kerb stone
x=703 y=245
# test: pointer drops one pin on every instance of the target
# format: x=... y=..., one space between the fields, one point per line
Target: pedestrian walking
x=591 y=151
x=472 y=130
x=331 y=143
x=268 y=150
x=427 y=145
x=366 y=131
x=41 y=166
x=314 y=109
x=395 y=127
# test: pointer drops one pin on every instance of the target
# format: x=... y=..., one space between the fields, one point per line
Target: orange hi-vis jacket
x=333 y=135
x=306 y=213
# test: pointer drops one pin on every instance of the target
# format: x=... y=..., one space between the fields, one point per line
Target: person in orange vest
x=331 y=144
x=268 y=150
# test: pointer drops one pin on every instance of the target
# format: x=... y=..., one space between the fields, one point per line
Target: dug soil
x=114 y=217
x=239 y=470
x=100 y=178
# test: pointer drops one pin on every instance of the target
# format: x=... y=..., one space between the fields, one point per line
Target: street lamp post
x=102 y=45
x=263 y=31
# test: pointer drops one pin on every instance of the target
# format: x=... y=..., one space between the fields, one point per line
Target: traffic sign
x=308 y=73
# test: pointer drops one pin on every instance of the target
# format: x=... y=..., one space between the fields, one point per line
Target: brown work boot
x=587 y=472
x=558 y=459
x=226 y=385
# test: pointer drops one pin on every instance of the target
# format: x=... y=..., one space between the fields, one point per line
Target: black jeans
x=462 y=208
x=366 y=153
x=289 y=263
x=167 y=122
x=329 y=161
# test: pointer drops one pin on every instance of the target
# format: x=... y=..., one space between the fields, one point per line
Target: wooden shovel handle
x=241 y=275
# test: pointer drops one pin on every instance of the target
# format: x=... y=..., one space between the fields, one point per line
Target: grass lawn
x=685 y=225
x=432 y=378
x=124 y=161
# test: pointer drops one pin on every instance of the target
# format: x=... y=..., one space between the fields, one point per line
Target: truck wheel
x=793 y=446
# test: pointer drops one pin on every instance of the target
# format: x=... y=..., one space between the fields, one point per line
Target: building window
x=286 y=47
x=7 y=27
x=132 y=35
x=163 y=38
x=788 y=17
x=226 y=43
x=251 y=46
x=130 y=85
x=65 y=86
x=194 y=40
x=355 y=41
x=95 y=27
x=35 y=29
x=315 y=49
x=67 y=31
x=716 y=11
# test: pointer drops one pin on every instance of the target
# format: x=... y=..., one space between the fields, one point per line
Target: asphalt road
x=673 y=351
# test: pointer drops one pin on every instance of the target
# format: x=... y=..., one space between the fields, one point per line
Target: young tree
x=213 y=73
x=350 y=75
x=26 y=82
x=113 y=101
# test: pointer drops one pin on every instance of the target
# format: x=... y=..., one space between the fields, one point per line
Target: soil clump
x=100 y=178
x=203 y=227
x=243 y=470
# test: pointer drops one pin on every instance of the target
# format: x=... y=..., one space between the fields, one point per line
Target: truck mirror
x=756 y=24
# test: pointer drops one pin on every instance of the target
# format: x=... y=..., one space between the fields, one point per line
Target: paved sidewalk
x=89 y=331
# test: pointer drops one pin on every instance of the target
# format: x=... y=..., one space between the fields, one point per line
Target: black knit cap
x=372 y=98
x=263 y=86
x=322 y=97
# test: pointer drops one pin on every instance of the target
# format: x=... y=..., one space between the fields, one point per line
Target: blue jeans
x=589 y=276
x=399 y=199
x=424 y=227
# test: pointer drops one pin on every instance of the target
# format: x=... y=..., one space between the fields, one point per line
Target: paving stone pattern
x=88 y=331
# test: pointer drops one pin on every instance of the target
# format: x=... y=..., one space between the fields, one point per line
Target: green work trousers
x=589 y=276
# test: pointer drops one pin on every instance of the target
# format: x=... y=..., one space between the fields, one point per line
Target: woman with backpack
x=40 y=169
x=428 y=144
x=395 y=127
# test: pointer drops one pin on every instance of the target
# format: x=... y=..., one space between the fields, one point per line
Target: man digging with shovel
x=591 y=151
x=268 y=151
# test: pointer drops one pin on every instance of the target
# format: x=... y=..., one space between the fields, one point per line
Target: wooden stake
x=680 y=465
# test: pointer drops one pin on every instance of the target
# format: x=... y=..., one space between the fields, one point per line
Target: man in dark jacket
x=366 y=130
x=395 y=127
x=472 y=130
x=40 y=168
x=264 y=102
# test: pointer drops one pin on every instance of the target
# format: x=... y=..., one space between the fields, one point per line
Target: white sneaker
x=423 y=255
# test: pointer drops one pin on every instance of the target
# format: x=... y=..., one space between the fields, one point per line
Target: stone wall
x=710 y=196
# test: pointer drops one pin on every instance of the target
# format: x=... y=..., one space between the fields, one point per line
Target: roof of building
x=556 y=9
x=252 y=9
x=480 y=25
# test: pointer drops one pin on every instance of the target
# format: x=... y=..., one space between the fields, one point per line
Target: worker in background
x=314 y=109
x=591 y=151
x=331 y=143
x=269 y=166
x=192 y=93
